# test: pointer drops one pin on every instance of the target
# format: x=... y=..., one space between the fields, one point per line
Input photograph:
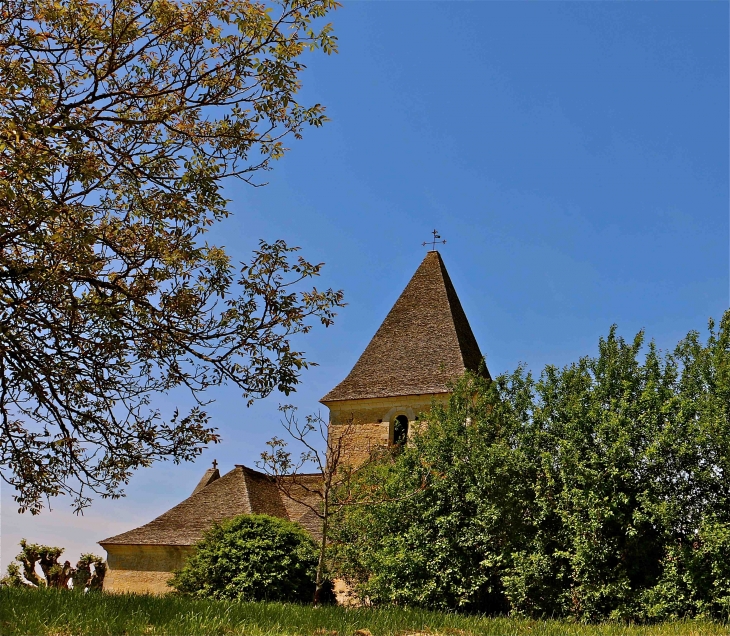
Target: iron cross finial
x=215 y=464
x=433 y=241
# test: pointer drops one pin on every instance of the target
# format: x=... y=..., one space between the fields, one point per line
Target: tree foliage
x=446 y=509
x=87 y=575
x=119 y=122
x=252 y=558
x=600 y=490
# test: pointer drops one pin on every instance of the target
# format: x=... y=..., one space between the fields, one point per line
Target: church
x=424 y=343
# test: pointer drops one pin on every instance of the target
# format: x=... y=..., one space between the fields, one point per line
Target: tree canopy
x=599 y=490
x=119 y=122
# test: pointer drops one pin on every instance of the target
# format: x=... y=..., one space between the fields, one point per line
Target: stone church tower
x=424 y=343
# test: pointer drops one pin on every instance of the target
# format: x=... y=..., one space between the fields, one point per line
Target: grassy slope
x=49 y=612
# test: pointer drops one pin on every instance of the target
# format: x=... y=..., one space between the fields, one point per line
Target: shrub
x=252 y=558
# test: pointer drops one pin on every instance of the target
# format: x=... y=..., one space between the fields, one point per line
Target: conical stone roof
x=424 y=343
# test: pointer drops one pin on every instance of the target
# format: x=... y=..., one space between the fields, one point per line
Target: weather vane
x=435 y=240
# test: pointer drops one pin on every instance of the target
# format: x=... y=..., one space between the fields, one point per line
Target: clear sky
x=574 y=155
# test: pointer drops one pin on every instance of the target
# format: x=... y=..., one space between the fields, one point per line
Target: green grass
x=59 y=613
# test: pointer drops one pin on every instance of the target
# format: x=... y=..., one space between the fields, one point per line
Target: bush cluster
x=599 y=490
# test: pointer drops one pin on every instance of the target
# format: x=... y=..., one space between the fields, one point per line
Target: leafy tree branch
x=119 y=122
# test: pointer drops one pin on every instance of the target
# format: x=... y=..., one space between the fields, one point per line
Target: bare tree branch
x=327 y=453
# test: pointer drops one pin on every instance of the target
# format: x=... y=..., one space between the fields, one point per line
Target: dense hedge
x=252 y=558
x=600 y=490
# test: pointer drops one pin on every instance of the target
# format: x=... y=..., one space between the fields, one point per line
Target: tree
x=451 y=508
x=119 y=122
x=335 y=489
x=600 y=490
x=89 y=573
x=55 y=574
x=323 y=453
x=630 y=451
x=252 y=558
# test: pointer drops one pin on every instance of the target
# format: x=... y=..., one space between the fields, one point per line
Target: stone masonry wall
x=368 y=424
x=143 y=569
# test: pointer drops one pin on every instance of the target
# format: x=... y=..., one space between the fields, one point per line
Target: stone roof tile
x=240 y=491
x=424 y=343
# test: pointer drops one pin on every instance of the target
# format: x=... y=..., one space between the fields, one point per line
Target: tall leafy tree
x=119 y=122
x=631 y=451
x=599 y=490
x=445 y=511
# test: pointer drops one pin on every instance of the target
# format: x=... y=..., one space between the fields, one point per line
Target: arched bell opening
x=400 y=430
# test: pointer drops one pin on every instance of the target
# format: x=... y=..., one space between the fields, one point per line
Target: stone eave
x=381 y=398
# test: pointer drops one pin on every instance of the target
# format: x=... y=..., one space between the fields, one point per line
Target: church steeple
x=424 y=342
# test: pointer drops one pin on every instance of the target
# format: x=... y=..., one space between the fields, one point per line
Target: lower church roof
x=240 y=491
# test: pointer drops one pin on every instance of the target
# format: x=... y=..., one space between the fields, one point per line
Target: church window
x=400 y=430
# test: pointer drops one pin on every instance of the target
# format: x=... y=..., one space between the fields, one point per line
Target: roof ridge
x=264 y=497
x=209 y=476
x=467 y=341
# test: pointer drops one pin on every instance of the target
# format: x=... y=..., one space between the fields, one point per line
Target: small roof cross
x=215 y=464
x=434 y=240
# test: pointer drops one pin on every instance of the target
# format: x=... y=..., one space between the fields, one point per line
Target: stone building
x=424 y=343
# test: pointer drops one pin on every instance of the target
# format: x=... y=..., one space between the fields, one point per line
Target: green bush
x=252 y=558
x=598 y=491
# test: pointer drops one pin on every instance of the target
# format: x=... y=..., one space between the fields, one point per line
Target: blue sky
x=574 y=155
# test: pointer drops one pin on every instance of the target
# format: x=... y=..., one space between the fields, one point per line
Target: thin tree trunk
x=319 y=582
